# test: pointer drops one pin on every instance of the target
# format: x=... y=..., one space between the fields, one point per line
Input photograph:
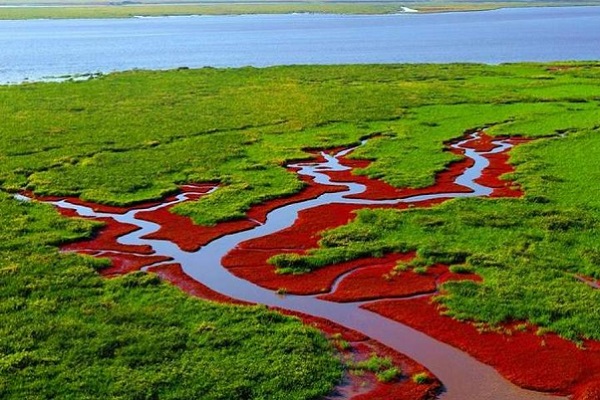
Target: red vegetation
x=483 y=143
x=544 y=363
x=174 y=274
x=590 y=391
x=326 y=326
x=106 y=238
x=306 y=231
x=184 y=233
x=379 y=281
x=446 y=275
x=366 y=386
x=403 y=388
x=190 y=237
x=123 y=263
x=491 y=176
x=379 y=190
x=591 y=282
x=249 y=259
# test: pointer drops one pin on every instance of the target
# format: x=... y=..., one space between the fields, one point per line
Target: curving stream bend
x=463 y=376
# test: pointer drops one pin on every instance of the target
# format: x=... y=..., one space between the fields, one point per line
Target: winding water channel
x=463 y=377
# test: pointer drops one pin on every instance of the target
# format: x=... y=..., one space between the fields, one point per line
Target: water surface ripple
x=35 y=49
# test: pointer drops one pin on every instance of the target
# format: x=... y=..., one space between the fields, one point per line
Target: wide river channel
x=36 y=49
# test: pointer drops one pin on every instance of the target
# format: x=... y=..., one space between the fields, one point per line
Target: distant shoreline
x=103 y=11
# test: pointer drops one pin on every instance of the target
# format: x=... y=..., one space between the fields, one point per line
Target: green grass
x=388 y=375
x=156 y=10
x=107 y=9
x=421 y=378
x=68 y=333
x=105 y=141
x=461 y=269
x=382 y=367
x=134 y=136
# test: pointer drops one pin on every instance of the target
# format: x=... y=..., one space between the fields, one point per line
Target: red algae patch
x=306 y=231
x=106 y=239
x=184 y=233
x=591 y=282
x=499 y=165
x=490 y=176
x=123 y=263
x=446 y=275
x=590 y=391
x=544 y=362
x=249 y=259
x=483 y=143
x=256 y=270
x=190 y=237
x=174 y=274
x=355 y=347
x=380 y=281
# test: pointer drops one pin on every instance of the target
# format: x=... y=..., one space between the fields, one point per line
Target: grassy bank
x=156 y=10
x=84 y=9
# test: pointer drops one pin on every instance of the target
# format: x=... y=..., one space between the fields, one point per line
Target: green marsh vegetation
x=421 y=378
x=382 y=367
x=131 y=137
x=134 y=136
x=82 y=10
x=68 y=333
x=35 y=9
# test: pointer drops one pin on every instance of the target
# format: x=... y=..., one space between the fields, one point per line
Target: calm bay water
x=40 y=48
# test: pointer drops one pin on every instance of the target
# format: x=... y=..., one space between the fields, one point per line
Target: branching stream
x=463 y=376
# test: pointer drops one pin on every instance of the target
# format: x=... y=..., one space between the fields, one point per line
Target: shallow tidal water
x=37 y=49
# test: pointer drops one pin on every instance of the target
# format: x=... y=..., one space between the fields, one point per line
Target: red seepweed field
x=541 y=362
